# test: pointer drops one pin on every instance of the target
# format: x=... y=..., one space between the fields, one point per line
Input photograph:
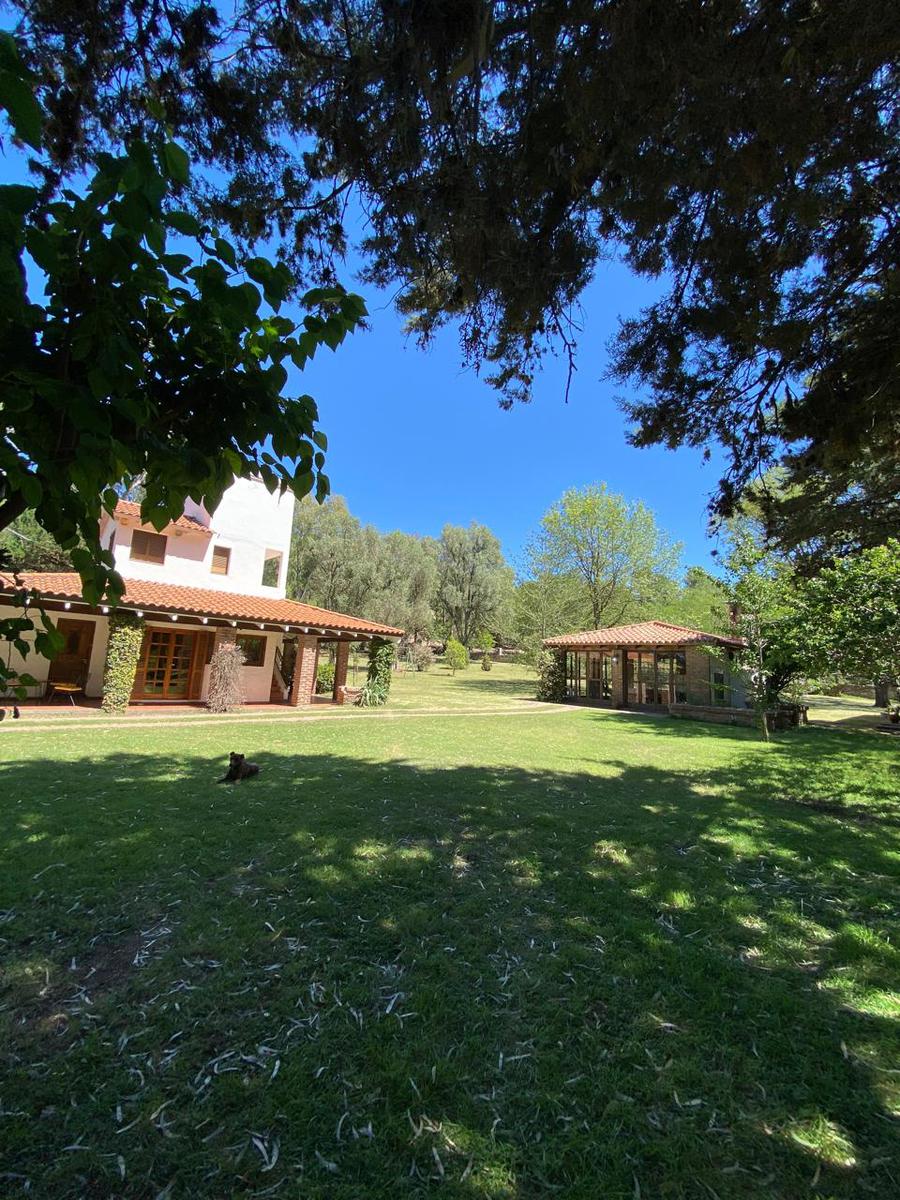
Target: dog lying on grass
x=238 y=769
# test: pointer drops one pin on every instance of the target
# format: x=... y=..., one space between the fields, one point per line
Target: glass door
x=168 y=671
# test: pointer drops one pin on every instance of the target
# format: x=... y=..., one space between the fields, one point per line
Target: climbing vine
x=552 y=675
x=123 y=653
x=378 y=680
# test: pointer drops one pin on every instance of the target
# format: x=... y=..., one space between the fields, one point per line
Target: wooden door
x=71 y=664
x=167 y=658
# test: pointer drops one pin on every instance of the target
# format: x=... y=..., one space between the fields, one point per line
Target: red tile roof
x=128 y=510
x=203 y=602
x=642 y=633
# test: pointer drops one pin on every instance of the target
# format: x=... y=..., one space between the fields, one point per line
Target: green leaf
x=184 y=222
x=225 y=251
x=22 y=108
x=176 y=163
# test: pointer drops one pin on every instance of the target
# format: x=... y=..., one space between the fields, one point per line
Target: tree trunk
x=882 y=693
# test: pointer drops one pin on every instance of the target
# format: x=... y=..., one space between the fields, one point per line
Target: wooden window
x=254 y=649
x=148 y=547
x=221 y=560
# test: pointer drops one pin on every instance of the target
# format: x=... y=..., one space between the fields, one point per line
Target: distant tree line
x=595 y=560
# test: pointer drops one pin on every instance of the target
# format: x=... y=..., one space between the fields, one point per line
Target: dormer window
x=221 y=560
x=148 y=547
x=271 y=568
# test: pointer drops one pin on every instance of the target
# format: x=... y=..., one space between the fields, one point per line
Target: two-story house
x=204 y=577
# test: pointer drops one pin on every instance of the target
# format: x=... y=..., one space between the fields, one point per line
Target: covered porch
x=180 y=627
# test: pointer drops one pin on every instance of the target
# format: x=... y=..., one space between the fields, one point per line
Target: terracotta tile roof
x=203 y=602
x=642 y=633
x=130 y=511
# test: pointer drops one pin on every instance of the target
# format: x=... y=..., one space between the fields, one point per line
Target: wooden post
x=304 y=684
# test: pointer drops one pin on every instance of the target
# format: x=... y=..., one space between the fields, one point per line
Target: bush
x=485 y=640
x=486 y=663
x=325 y=677
x=456 y=655
x=552 y=676
x=123 y=653
x=421 y=656
x=226 y=684
x=372 y=695
x=378 y=679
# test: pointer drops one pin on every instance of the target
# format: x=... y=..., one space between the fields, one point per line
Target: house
x=205 y=577
x=654 y=666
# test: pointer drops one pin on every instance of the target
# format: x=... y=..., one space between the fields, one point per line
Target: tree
x=699 y=601
x=330 y=560
x=339 y=563
x=26 y=546
x=769 y=615
x=456 y=655
x=852 y=616
x=743 y=152
x=472 y=577
x=613 y=546
x=123 y=360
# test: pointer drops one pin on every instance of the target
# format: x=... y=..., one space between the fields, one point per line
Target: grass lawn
x=508 y=954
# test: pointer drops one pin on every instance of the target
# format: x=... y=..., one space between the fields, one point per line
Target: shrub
x=378 y=680
x=372 y=695
x=486 y=663
x=325 y=677
x=421 y=656
x=456 y=655
x=485 y=640
x=123 y=653
x=552 y=675
x=226 y=684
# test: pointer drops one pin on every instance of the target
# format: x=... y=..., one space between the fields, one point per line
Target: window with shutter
x=148 y=547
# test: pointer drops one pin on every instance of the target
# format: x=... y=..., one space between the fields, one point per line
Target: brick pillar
x=340 y=671
x=305 y=670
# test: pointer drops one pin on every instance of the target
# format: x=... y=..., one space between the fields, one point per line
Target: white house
x=203 y=578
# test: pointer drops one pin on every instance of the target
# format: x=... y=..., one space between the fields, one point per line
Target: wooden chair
x=68 y=687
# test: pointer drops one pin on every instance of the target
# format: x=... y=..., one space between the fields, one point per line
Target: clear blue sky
x=416 y=442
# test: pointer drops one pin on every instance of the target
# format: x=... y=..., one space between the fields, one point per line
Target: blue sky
x=416 y=442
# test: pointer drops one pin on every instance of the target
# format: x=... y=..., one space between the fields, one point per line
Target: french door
x=166 y=666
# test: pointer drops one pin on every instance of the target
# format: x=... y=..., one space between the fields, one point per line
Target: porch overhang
x=153 y=601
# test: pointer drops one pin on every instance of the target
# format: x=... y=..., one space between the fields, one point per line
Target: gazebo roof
x=642 y=633
x=170 y=598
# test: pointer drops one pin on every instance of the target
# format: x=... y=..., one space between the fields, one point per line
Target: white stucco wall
x=248 y=522
x=33 y=664
x=257 y=680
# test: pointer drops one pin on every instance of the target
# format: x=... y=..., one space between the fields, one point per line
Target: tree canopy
x=743 y=154
x=614 y=547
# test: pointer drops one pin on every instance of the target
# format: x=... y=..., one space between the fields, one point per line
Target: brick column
x=340 y=671
x=304 y=683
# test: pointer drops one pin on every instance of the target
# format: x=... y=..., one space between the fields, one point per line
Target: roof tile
x=130 y=510
x=203 y=602
x=642 y=633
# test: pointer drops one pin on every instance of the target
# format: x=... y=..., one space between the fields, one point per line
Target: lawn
x=524 y=953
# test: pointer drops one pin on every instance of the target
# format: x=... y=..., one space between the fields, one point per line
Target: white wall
x=248 y=522
x=33 y=664
x=257 y=680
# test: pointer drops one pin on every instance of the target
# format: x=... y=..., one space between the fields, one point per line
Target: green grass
x=568 y=953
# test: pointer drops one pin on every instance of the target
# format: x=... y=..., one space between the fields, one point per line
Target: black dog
x=238 y=769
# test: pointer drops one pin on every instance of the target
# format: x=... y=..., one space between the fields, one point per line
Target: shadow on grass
x=597 y=983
